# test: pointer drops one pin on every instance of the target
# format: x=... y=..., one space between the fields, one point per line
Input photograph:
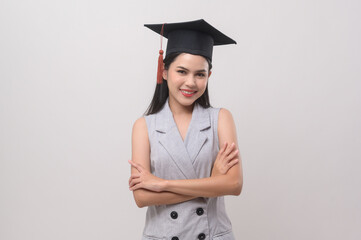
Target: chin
x=188 y=102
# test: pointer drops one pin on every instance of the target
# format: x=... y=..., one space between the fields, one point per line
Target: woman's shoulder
x=225 y=113
x=144 y=124
x=221 y=115
x=140 y=124
x=220 y=112
x=225 y=116
x=225 y=121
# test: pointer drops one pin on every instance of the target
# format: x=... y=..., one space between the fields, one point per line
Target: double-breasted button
x=200 y=211
x=201 y=236
x=174 y=215
x=175 y=238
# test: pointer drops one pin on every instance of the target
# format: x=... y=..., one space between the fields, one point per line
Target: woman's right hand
x=227 y=157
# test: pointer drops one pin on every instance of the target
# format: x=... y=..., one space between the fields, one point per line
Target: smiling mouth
x=188 y=93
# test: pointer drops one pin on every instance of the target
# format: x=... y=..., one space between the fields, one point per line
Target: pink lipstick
x=187 y=92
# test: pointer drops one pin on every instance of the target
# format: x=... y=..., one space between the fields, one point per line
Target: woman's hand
x=144 y=179
x=226 y=159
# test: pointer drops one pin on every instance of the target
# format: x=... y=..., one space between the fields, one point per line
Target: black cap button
x=174 y=215
x=175 y=238
x=201 y=236
x=200 y=211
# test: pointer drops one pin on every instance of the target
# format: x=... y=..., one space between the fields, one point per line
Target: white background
x=76 y=74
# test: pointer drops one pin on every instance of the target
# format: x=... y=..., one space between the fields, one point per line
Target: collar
x=165 y=121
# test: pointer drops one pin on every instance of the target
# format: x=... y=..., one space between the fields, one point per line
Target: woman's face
x=187 y=78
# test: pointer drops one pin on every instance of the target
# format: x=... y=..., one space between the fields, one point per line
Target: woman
x=184 y=152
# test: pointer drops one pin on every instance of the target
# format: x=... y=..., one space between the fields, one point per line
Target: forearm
x=144 y=197
x=205 y=187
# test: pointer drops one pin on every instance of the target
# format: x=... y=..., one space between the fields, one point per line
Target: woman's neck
x=178 y=109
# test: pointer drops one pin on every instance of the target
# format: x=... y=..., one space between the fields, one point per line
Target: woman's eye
x=181 y=71
x=201 y=75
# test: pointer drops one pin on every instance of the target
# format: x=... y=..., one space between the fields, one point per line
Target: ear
x=209 y=74
x=165 y=74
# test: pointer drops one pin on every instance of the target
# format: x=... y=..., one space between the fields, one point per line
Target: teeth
x=187 y=92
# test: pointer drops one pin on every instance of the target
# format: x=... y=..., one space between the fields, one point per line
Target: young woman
x=184 y=152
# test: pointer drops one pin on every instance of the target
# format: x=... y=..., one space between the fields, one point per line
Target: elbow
x=139 y=203
x=138 y=198
x=237 y=188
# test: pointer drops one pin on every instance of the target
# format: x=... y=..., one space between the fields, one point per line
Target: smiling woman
x=187 y=79
x=184 y=152
x=161 y=92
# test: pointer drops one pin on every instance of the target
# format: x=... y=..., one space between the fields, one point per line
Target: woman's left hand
x=144 y=179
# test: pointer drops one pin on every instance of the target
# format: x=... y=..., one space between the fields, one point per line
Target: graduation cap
x=194 y=37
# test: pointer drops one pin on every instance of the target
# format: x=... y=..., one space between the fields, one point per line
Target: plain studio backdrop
x=75 y=75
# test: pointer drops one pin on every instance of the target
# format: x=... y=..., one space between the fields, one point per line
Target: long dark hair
x=161 y=92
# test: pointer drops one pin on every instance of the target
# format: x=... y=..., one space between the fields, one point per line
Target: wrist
x=165 y=185
x=215 y=173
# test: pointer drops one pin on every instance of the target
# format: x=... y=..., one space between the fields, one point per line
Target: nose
x=191 y=81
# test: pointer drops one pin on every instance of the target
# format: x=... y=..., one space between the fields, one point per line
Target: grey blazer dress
x=171 y=158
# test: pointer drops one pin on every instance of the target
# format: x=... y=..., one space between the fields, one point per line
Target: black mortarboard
x=195 y=37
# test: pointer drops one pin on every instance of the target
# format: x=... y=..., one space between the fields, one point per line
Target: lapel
x=196 y=136
x=183 y=153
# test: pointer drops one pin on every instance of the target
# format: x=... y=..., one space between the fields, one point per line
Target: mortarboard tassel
x=160 y=60
x=160 y=68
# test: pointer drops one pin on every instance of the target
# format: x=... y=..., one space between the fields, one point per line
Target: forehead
x=190 y=61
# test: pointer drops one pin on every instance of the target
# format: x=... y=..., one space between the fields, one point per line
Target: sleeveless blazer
x=171 y=158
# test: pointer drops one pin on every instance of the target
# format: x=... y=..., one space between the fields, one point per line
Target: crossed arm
x=226 y=177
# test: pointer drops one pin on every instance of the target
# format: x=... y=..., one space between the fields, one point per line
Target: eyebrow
x=202 y=70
